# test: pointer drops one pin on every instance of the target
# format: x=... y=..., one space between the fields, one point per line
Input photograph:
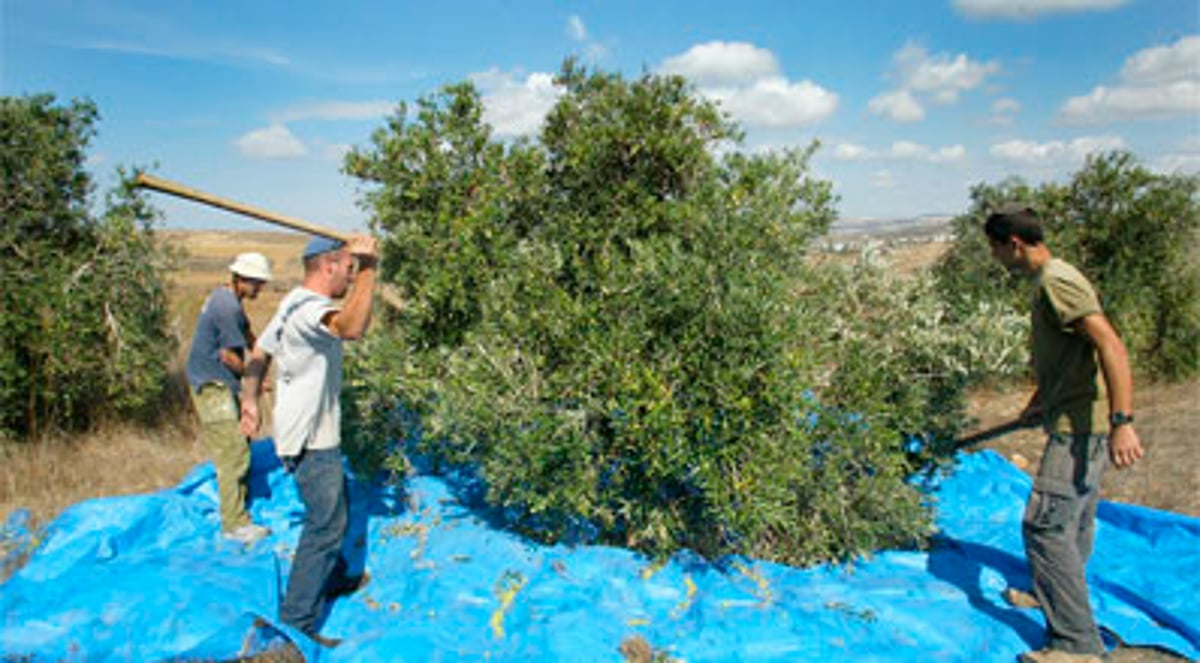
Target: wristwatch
x=1119 y=418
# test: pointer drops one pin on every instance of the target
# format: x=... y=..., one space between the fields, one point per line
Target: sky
x=913 y=102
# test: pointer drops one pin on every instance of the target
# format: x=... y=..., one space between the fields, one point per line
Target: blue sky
x=914 y=101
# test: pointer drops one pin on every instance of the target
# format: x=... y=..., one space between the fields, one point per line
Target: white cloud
x=575 y=28
x=576 y=31
x=883 y=179
x=943 y=76
x=940 y=77
x=1177 y=162
x=1164 y=64
x=273 y=142
x=1155 y=83
x=1055 y=151
x=904 y=149
x=1006 y=106
x=1004 y=110
x=335 y=152
x=723 y=63
x=516 y=107
x=1104 y=104
x=851 y=152
x=1184 y=157
x=334 y=111
x=949 y=154
x=1026 y=10
x=898 y=106
x=776 y=103
x=901 y=150
x=745 y=80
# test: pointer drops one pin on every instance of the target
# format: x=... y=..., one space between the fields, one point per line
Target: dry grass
x=55 y=473
x=48 y=476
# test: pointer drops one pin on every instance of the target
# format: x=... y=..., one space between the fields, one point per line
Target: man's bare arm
x=1125 y=447
x=252 y=388
x=232 y=359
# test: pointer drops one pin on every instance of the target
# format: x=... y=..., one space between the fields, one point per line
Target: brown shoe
x=348 y=586
x=1019 y=598
x=324 y=641
x=1057 y=656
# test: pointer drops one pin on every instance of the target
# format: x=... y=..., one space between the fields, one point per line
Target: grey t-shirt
x=308 y=373
x=222 y=325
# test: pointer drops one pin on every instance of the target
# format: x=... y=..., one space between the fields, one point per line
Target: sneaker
x=1057 y=656
x=1019 y=598
x=347 y=586
x=247 y=535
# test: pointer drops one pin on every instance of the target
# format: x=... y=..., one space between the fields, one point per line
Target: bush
x=84 y=316
x=616 y=329
x=1134 y=233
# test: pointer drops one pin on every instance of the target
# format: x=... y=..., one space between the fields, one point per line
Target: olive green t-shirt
x=1070 y=386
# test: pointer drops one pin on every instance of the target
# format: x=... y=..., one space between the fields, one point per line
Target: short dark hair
x=1014 y=220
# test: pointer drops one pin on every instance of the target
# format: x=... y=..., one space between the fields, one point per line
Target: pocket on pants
x=1059 y=467
x=1048 y=512
x=216 y=404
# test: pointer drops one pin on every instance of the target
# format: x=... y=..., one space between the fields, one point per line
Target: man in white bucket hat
x=220 y=344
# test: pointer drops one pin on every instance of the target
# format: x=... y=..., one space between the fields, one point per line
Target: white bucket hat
x=252 y=266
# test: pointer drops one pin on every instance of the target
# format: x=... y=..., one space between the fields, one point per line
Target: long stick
x=990 y=433
x=386 y=292
x=175 y=189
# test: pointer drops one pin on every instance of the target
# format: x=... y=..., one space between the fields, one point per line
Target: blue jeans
x=318 y=556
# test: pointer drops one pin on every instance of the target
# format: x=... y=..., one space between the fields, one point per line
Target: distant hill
x=925 y=227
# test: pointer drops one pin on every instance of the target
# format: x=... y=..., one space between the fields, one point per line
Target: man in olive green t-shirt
x=1084 y=402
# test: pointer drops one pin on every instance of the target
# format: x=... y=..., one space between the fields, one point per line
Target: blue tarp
x=148 y=578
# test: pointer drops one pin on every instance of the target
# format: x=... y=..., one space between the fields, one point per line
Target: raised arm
x=351 y=321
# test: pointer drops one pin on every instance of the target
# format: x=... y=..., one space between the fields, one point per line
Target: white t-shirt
x=308 y=373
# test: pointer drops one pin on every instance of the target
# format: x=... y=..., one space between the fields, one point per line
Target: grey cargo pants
x=1058 y=529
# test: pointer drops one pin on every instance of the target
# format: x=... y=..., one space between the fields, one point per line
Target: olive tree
x=84 y=315
x=607 y=323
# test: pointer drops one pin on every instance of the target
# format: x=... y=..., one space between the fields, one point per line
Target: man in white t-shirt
x=304 y=339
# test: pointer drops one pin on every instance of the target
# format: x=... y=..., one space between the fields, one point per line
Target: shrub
x=84 y=316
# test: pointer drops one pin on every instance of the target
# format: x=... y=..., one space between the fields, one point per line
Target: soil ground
x=47 y=478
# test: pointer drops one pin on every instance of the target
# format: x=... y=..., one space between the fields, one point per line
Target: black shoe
x=347 y=586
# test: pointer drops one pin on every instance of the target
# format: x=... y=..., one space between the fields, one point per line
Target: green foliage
x=84 y=317
x=1134 y=233
x=896 y=346
x=611 y=325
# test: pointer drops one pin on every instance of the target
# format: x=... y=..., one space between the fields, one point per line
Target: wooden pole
x=175 y=189
x=386 y=292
